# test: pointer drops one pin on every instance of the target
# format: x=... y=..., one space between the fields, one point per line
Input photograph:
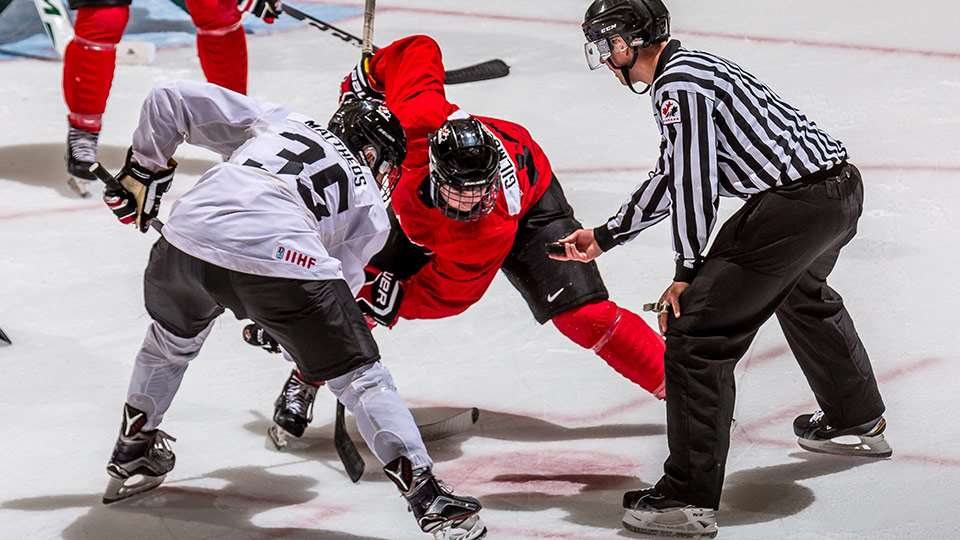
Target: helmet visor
x=597 y=53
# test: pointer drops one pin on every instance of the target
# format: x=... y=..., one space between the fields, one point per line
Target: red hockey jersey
x=466 y=255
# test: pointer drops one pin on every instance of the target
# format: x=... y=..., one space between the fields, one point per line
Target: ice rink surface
x=561 y=434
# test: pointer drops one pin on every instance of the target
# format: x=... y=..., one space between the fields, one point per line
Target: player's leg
x=88 y=67
x=221 y=42
x=182 y=312
x=573 y=296
x=825 y=342
x=319 y=324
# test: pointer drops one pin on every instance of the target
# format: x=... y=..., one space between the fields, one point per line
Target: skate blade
x=80 y=187
x=279 y=436
x=680 y=523
x=850 y=445
x=471 y=528
x=119 y=489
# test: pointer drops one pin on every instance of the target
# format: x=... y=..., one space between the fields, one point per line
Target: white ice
x=561 y=435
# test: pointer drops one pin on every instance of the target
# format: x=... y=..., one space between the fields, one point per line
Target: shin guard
x=621 y=338
x=221 y=42
x=89 y=63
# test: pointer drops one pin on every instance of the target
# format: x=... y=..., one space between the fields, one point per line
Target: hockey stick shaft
x=491 y=69
x=352 y=460
x=369 y=8
x=104 y=176
x=4 y=338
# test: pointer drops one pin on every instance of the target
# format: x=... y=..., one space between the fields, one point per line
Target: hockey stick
x=59 y=29
x=491 y=69
x=369 y=8
x=4 y=338
x=352 y=460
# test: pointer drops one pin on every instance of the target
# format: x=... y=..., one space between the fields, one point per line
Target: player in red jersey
x=90 y=58
x=477 y=195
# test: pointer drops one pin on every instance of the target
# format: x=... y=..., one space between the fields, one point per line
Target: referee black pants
x=771 y=257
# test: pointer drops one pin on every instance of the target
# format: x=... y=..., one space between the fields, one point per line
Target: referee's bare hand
x=580 y=246
x=670 y=299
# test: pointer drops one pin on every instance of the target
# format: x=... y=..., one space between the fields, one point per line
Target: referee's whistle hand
x=671 y=300
x=581 y=246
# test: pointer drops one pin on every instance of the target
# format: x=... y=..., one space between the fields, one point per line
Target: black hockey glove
x=255 y=335
x=357 y=83
x=134 y=196
x=268 y=10
x=380 y=298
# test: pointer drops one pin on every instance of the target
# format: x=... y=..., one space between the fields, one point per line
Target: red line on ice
x=950 y=55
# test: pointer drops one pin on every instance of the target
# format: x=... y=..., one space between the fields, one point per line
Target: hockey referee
x=726 y=134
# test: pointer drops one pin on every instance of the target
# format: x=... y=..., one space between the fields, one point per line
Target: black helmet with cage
x=375 y=136
x=464 y=169
x=641 y=24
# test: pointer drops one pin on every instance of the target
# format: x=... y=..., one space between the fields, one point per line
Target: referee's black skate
x=816 y=435
x=81 y=155
x=141 y=459
x=649 y=512
x=293 y=410
x=438 y=511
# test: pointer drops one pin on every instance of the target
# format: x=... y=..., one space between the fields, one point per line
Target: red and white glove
x=268 y=10
x=134 y=195
x=358 y=84
x=380 y=298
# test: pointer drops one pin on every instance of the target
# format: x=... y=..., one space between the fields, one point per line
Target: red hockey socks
x=621 y=338
x=89 y=62
x=221 y=42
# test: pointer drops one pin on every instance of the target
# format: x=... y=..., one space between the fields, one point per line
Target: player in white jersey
x=279 y=232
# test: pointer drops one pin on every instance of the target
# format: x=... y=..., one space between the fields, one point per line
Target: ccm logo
x=293 y=256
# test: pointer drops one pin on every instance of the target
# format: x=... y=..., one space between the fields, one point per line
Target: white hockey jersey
x=288 y=201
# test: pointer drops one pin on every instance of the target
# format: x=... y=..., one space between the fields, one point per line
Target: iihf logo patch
x=293 y=256
x=669 y=112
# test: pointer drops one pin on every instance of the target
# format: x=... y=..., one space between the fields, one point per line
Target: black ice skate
x=293 y=410
x=649 y=512
x=438 y=511
x=816 y=435
x=81 y=154
x=140 y=460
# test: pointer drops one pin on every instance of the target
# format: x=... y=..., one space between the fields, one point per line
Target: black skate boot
x=138 y=453
x=649 y=512
x=817 y=435
x=81 y=154
x=293 y=410
x=438 y=511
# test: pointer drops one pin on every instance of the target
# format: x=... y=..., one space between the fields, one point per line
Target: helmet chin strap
x=625 y=71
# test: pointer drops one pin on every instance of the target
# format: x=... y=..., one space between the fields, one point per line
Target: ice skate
x=140 y=460
x=81 y=154
x=649 y=512
x=816 y=435
x=438 y=511
x=293 y=410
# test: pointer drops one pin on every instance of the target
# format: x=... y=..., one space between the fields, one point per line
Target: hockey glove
x=358 y=84
x=268 y=10
x=380 y=298
x=255 y=335
x=134 y=196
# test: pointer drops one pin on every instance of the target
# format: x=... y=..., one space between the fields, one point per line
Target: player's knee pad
x=589 y=324
x=101 y=26
x=214 y=17
x=361 y=383
x=171 y=348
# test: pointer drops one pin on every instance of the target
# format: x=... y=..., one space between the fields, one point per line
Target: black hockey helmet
x=641 y=23
x=464 y=169
x=368 y=127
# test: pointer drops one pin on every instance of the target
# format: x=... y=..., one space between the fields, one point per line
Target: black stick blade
x=4 y=338
x=491 y=69
x=352 y=461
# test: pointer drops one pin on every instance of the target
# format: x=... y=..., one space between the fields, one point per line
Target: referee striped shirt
x=724 y=134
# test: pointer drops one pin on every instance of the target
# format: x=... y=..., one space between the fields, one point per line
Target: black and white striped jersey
x=724 y=134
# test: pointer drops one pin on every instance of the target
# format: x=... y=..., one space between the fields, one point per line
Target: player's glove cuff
x=359 y=84
x=380 y=298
